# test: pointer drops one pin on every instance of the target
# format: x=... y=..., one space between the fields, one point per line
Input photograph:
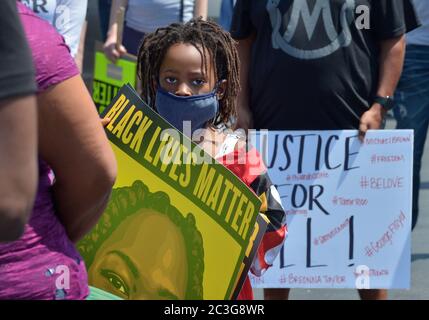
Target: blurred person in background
x=145 y=16
x=226 y=12
x=412 y=95
x=298 y=74
x=68 y=18
x=104 y=16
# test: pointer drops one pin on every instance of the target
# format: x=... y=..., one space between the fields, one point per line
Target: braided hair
x=205 y=36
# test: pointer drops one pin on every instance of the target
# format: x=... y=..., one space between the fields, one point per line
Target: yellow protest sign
x=179 y=225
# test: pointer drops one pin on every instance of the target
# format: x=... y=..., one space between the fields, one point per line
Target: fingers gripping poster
x=109 y=77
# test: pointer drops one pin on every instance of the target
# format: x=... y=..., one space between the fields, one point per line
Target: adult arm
x=391 y=60
x=73 y=143
x=112 y=49
x=391 y=19
x=201 y=9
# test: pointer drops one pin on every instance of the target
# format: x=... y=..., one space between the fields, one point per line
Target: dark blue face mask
x=197 y=109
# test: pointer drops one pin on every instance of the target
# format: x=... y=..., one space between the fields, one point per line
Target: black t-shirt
x=16 y=65
x=314 y=63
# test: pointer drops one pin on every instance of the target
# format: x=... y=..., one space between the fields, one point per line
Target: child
x=189 y=72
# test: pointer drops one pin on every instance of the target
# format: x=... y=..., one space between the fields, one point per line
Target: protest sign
x=348 y=207
x=110 y=77
x=179 y=225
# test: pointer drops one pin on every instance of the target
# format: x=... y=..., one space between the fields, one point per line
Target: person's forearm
x=18 y=164
x=80 y=205
x=73 y=143
x=113 y=23
x=391 y=61
x=392 y=53
x=201 y=9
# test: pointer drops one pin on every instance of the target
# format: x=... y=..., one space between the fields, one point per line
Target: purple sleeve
x=51 y=56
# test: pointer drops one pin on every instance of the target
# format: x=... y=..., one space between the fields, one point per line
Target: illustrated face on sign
x=145 y=258
x=144 y=248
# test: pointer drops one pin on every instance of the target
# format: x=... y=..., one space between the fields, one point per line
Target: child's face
x=182 y=71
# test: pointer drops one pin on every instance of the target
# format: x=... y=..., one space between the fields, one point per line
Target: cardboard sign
x=109 y=77
x=179 y=225
x=348 y=207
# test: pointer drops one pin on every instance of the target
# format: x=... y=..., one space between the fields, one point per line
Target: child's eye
x=170 y=80
x=198 y=82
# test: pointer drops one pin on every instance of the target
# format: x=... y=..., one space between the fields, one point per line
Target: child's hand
x=105 y=122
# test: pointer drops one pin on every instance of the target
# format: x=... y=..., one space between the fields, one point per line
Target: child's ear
x=221 y=89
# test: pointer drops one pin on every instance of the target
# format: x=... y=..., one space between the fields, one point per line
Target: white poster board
x=348 y=207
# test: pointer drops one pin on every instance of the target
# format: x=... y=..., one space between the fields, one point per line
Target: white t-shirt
x=66 y=16
x=420 y=36
x=148 y=15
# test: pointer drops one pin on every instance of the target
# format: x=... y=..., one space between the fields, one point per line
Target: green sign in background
x=109 y=78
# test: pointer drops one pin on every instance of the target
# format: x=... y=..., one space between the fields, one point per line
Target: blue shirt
x=420 y=36
x=226 y=11
x=148 y=15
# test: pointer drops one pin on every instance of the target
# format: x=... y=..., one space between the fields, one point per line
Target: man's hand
x=371 y=120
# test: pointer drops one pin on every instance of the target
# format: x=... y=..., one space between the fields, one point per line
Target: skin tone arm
x=201 y=8
x=244 y=116
x=110 y=46
x=74 y=144
x=392 y=53
x=18 y=164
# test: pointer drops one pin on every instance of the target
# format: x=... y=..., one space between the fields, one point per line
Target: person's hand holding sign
x=113 y=48
x=371 y=120
x=105 y=122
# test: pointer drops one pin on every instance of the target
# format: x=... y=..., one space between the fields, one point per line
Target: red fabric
x=247 y=166
x=246 y=292
x=269 y=241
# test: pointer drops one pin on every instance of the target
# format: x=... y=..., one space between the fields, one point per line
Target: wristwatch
x=386 y=102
